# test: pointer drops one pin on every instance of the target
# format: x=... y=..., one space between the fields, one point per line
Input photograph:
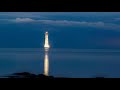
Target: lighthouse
x=46 y=45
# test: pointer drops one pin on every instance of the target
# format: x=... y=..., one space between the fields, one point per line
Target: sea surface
x=60 y=62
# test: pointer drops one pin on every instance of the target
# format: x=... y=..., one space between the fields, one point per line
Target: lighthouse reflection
x=46 y=62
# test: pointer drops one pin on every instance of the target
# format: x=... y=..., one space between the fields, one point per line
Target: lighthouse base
x=46 y=49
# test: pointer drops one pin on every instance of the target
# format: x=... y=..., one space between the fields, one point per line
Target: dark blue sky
x=83 y=30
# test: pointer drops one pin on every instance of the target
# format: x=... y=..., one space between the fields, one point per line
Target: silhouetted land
x=28 y=75
x=40 y=76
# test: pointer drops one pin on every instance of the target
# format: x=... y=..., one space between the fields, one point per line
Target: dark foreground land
x=29 y=75
x=39 y=76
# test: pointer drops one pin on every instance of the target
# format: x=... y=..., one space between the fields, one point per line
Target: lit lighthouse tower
x=46 y=45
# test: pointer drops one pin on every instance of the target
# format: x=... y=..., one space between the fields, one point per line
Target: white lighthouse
x=46 y=45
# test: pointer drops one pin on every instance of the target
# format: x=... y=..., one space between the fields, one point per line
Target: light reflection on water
x=61 y=62
x=46 y=64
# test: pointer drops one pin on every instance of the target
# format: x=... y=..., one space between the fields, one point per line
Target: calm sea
x=74 y=63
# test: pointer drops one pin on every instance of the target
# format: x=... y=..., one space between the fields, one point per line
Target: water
x=74 y=63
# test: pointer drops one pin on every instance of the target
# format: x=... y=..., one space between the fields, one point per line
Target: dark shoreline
x=29 y=75
x=39 y=76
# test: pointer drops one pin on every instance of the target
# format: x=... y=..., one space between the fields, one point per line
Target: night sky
x=81 y=30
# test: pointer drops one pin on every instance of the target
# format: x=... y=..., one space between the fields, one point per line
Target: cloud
x=69 y=23
x=23 y=20
x=98 y=24
x=61 y=22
